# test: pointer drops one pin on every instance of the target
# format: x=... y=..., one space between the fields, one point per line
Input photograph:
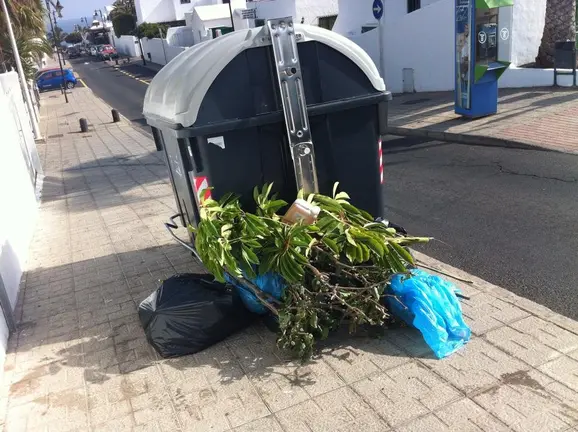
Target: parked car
x=52 y=79
x=73 y=52
x=107 y=52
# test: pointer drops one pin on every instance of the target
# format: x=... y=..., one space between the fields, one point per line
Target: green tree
x=73 y=38
x=150 y=30
x=27 y=17
x=123 y=17
x=560 y=25
x=123 y=24
x=57 y=37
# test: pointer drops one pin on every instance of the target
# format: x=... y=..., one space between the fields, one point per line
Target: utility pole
x=23 y=82
x=58 y=8
x=163 y=43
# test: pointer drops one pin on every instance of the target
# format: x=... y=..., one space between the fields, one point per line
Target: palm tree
x=27 y=18
x=560 y=25
x=123 y=7
x=123 y=17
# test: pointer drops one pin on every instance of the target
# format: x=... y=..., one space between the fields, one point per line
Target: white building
x=418 y=41
x=315 y=12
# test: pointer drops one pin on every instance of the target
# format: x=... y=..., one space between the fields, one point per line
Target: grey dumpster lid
x=177 y=91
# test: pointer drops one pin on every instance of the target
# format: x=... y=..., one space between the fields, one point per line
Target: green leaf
x=300 y=194
x=226 y=230
x=256 y=194
x=403 y=252
x=274 y=206
x=342 y=196
x=349 y=238
x=351 y=253
x=251 y=256
x=331 y=245
x=314 y=321
x=335 y=186
x=376 y=245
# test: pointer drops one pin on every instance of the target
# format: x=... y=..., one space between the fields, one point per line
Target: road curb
x=480 y=140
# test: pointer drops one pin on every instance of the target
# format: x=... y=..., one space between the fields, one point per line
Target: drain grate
x=56 y=136
x=415 y=101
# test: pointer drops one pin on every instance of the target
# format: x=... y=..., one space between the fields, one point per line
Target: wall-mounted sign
x=248 y=13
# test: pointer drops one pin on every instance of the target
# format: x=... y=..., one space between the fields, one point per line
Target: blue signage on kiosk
x=483 y=52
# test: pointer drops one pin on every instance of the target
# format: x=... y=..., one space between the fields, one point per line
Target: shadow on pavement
x=80 y=319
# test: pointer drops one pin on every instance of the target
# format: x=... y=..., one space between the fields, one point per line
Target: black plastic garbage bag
x=191 y=312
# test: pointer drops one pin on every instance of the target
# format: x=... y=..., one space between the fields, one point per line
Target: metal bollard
x=115 y=116
x=83 y=125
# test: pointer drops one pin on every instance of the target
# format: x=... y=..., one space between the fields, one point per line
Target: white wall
x=155 y=11
x=424 y=40
x=311 y=10
x=516 y=77
x=17 y=193
x=166 y=10
x=155 y=48
x=181 y=9
x=180 y=36
x=407 y=42
x=127 y=45
x=274 y=9
x=528 y=26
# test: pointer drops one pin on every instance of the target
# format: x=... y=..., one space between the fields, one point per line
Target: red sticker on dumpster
x=202 y=187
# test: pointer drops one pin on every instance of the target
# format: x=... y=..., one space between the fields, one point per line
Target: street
x=507 y=215
x=123 y=92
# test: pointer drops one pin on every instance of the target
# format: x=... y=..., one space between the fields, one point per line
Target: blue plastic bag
x=270 y=283
x=432 y=308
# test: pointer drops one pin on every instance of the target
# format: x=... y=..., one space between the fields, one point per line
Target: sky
x=74 y=9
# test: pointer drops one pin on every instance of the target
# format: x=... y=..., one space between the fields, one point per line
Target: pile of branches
x=337 y=269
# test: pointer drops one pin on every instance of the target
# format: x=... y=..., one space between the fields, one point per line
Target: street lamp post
x=57 y=9
x=23 y=82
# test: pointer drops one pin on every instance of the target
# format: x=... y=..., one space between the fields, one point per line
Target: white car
x=93 y=51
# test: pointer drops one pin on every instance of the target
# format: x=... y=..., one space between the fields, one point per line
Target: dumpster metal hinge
x=284 y=43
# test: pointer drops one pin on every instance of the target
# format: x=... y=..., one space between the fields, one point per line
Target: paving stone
x=332 y=411
x=547 y=333
x=523 y=403
x=269 y=424
x=476 y=367
x=563 y=369
x=522 y=346
x=485 y=312
x=422 y=392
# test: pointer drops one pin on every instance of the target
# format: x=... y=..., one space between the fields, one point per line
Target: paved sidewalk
x=544 y=117
x=80 y=361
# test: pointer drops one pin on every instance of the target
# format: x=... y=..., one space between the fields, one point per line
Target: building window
x=327 y=22
x=413 y=5
x=185 y=1
x=259 y=22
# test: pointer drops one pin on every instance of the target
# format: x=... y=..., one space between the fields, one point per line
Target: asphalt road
x=121 y=91
x=507 y=215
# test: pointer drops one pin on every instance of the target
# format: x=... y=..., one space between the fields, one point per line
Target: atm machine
x=483 y=45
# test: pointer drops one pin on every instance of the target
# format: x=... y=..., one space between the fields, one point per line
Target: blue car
x=47 y=79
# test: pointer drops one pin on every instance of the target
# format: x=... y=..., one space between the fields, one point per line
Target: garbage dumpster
x=238 y=111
